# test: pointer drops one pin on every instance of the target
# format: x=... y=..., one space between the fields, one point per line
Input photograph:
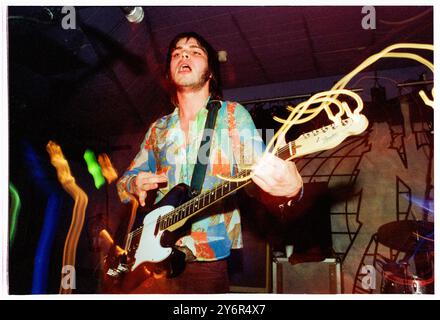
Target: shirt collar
x=203 y=110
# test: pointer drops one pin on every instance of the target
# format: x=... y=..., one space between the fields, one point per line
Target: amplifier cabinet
x=323 y=277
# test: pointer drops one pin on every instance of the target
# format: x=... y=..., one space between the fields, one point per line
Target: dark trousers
x=198 y=277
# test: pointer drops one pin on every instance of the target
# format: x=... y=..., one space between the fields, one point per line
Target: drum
x=403 y=283
x=416 y=240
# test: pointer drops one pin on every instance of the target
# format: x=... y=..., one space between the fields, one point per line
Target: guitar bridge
x=114 y=273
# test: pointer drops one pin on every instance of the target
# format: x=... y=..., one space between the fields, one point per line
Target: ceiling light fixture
x=134 y=14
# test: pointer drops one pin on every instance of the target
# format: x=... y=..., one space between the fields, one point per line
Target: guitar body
x=150 y=248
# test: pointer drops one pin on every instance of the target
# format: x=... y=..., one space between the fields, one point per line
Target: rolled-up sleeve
x=144 y=161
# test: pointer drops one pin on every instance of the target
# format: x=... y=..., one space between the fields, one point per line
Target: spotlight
x=134 y=14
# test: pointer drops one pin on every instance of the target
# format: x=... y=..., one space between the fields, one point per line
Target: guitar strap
x=205 y=147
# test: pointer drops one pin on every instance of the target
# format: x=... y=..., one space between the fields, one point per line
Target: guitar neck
x=320 y=139
x=209 y=197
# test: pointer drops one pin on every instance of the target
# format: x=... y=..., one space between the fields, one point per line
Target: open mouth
x=184 y=68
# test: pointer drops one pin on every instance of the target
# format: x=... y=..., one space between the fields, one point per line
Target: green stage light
x=94 y=168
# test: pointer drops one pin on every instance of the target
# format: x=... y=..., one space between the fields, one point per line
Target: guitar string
x=200 y=197
x=175 y=212
x=187 y=204
x=182 y=208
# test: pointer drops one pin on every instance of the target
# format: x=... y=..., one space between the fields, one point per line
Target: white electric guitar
x=153 y=244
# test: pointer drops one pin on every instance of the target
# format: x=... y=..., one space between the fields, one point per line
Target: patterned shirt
x=236 y=143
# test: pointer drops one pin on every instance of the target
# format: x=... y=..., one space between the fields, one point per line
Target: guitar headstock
x=330 y=136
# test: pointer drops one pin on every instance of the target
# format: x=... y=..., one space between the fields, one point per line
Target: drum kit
x=416 y=240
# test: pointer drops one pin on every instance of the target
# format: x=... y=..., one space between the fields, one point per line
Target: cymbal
x=407 y=235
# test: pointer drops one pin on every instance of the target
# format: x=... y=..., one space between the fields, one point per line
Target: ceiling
x=105 y=76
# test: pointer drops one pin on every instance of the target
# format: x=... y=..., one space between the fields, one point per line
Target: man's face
x=189 y=64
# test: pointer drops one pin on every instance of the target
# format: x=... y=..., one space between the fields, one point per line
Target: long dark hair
x=215 y=85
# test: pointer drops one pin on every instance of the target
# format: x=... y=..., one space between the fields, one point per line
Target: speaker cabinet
x=323 y=277
x=250 y=267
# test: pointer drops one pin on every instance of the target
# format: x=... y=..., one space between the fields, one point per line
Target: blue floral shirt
x=164 y=150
